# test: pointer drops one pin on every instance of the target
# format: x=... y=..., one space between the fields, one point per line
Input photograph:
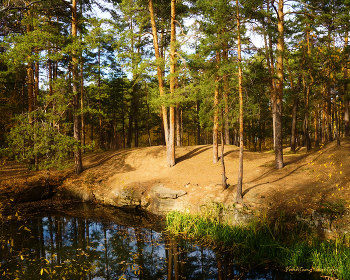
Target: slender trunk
x=169 y=139
x=271 y=69
x=216 y=114
x=178 y=125
x=82 y=103
x=346 y=94
x=336 y=122
x=35 y=103
x=198 y=123
x=279 y=89
x=99 y=101
x=136 y=130
x=171 y=144
x=226 y=92
x=223 y=175
x=306 y=137
x=239 y=196
x=295 y=107
x=77 y=153
x=123 y=114
x=317 y=140
x=324 y=114
x=130 y=128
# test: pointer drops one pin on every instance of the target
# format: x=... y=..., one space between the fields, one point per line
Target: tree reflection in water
x=56 y=247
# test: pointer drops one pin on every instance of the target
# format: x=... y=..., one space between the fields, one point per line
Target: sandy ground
x=315 y=180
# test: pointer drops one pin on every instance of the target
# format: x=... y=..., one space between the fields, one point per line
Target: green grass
x=278 y=244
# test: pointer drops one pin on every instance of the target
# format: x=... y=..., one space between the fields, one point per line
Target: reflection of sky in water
x=76 y=247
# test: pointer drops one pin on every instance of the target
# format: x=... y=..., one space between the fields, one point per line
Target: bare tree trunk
x=198 y=124
x=346 y=94
x=279 y=88
x=316 y=119
x=77 y=153
x=295 y=107
x=324 y=138
x=226 y=92
x=216 y=114
x=82 y=103
x=36 y=94
x=223 y=175
x=239 y=196
x=336 y=121
x=170 y=145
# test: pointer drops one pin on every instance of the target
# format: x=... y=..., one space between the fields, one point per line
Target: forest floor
x=315 y=180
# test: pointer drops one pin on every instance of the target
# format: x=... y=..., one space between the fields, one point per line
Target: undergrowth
x=277 y=244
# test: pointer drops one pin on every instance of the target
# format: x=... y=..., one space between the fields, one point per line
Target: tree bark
x=279 y=88
x=170 y=147
x=198 y=123
x=239 y=195
x=346 y=94
x=223 y=175
x=295 y=91
x=216 y=114
x=226 y=92
x=77 y=153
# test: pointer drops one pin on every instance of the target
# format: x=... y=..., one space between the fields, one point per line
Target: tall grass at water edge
x=261 y=243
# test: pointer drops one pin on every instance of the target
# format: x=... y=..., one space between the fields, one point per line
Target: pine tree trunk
x=223 y=174
x=294 y=124
x=171 y=146
x=178 y=125
x=130 y=129
x=239 y=195
x=316 y=116
x=216 y=114
x=279 y=88
x=82 y=103
x=346 y=94
x=76 y=129
x=198 y=123
x=226 y=92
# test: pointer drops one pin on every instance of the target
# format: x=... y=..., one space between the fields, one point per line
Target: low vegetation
x=280 y=244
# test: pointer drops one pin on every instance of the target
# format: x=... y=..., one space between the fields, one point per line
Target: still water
x=54 y=246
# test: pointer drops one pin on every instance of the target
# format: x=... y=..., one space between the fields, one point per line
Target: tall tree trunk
x=77 y=153
x=216 y=114
x=100 y=127
x=198 y=123
x=239 y=195
x=130 y=128
x=279 y=88
x=223 y=174
x=178 y=125
x=295 y=91
x=271 y=69
x=170 y=146
x=336 y=121
x=324 y=114
x=226 y=92
x=82 y=103
x=346 y=94
x=316 y=119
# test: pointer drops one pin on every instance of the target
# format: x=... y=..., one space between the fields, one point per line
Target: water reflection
x=56 y=247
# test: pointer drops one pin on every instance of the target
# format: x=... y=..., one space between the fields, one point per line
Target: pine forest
x=84 y=76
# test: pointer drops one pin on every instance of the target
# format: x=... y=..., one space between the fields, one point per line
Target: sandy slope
x=317 y=180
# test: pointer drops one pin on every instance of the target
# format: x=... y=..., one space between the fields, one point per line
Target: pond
x=51 y=245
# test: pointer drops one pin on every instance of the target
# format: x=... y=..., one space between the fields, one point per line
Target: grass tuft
x=276 y=244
